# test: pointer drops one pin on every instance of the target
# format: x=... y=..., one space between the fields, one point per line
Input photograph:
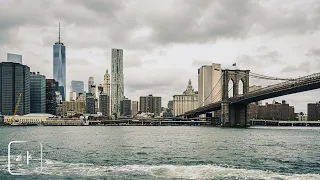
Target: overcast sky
x=166 y=41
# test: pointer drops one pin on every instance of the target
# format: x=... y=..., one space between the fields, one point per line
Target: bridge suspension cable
x=210 y=92
x=251 y=74
x=259 y=76
x=217 y=95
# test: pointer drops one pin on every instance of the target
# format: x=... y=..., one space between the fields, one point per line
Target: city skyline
x=156 y=64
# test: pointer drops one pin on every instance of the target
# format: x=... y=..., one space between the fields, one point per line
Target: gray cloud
x=132 y=61
x=261 y=48
x=106 y=23
x=302 y=68
x=255 y=62
x=199 y=63
x=154 y=81
x=313 y=52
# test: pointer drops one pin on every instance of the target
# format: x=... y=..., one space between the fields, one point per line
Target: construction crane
x=15 y=109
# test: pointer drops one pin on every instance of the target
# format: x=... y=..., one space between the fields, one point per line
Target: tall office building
x=81 y=97
x=73 y=96
x=100 y=89
x=37 y=93
x=16 y=58
x=107 y=88
x=90 y=103
x=204 y=85
x=14 y=80
x=77 y=86
x=58 y=97
x=135 y=108
x=117 y=87
x=150 y=104
x=187 y=101
x=90 y=82
x=216 y=82
x=104 y=104
x=170 y=106
x=59 y=65
x=314 y=111
x=51 y=104
x=125 y=107
x=209 y=84
x=93 y=90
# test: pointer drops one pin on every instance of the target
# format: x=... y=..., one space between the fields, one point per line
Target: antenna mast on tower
x=59 y=33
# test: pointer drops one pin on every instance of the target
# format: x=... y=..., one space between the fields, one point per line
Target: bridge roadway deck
x=306 y=83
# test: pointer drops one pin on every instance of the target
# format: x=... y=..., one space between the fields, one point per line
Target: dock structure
x=284 y=123
x=62 y=122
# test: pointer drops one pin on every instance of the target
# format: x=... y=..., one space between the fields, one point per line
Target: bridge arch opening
x=240 y=87
x=230 y=88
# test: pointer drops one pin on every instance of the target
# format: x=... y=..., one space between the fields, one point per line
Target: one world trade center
x=59 y=66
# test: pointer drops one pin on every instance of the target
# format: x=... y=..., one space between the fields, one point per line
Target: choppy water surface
x=104 y=152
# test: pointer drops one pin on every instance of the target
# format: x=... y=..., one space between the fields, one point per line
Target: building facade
x=314 y=111
x=72 y=96
x=185 y=102
x=117 y=84
x=93 y=90
x=135 y=108
x=150 y=104
x=274 y=111
x=51 y=103
x=59 y=65
x=14 y=80
x=16 y=58
x=90 y=103
x=37 y=93
x=216 y=84
x=125 y=107
x=205 y=85
x=77 y=107
x=100 y=89
x=58 y=97
x=90 y=82
x=81 y=97
x=170 y=106
x=209 y=84
x=107 y=88
x=77 y=86
x=169 y=109
x=104 y=104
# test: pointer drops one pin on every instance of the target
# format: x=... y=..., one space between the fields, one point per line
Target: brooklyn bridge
x=235 y=109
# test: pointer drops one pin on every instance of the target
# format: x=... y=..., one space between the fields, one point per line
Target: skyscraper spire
x=59 y=33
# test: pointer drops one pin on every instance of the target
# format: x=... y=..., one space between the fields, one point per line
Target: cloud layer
x=165 y=42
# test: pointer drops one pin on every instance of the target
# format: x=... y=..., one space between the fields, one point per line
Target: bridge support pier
x=209 y=116
x=235 y=115
x=225 y=114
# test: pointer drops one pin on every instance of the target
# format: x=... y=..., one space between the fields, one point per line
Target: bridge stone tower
x=234 y=115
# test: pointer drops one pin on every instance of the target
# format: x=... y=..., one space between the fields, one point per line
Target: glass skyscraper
x=14 y=80
x=51 y=103
x=77 y=86
x=37 y=93
x=59 y=65
x=117 y=87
